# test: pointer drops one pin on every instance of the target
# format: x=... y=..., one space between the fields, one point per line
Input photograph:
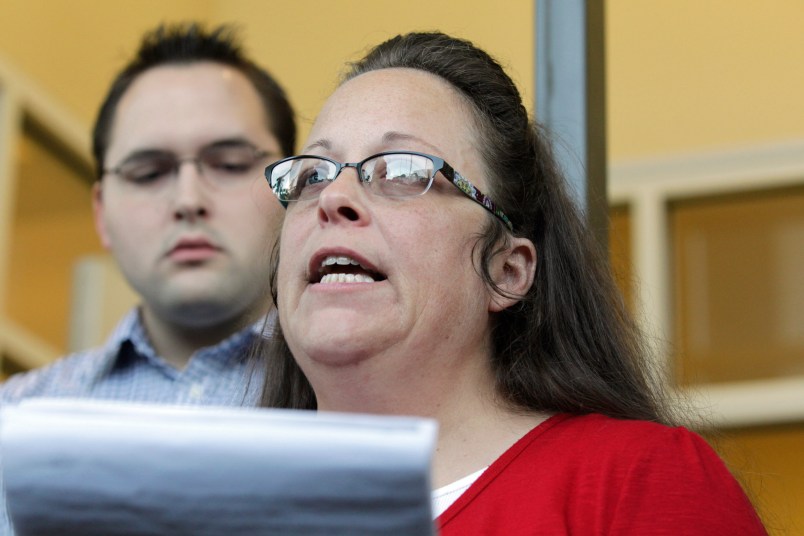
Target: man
x=180 y=144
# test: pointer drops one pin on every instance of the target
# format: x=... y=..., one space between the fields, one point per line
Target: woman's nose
x=344 y=200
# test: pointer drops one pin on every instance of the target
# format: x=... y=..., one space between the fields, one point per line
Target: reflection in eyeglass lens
x=399 y=174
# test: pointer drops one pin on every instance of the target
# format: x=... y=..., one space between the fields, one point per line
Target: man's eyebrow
x=147 y=152
x=225 y=142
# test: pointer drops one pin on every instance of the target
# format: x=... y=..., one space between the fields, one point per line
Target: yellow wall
x=74 y=48
x=692 y=75
x=683 y=75
x=307 y=41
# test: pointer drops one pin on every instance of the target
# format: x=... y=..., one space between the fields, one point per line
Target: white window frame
x=20 y=98
x=647 y=187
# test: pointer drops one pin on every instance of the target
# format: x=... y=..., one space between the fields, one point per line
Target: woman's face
x=426 y=302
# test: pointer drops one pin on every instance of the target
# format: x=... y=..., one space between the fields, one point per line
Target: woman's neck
x=475 y=425
x=468 y=444
x=415 y=382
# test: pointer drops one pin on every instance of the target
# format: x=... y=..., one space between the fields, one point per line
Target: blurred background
x=705 y=149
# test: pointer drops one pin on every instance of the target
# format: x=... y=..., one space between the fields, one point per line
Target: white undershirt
x=444 y=496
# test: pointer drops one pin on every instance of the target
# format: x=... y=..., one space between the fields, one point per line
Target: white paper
x=108 y=469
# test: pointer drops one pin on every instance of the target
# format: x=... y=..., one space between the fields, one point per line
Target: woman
x=399 y=295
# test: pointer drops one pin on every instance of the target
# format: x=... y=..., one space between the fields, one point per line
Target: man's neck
x=177 y=343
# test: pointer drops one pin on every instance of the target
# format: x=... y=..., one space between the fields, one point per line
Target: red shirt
x=594 y=475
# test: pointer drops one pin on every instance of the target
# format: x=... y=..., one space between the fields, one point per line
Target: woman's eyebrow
x=394 y=136
x=389 y=138
x=322 y=143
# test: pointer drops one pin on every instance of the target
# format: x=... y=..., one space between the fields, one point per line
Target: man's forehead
x=185 y=107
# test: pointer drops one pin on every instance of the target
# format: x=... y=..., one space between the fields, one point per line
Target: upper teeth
x=343 y=278
x=329 y=261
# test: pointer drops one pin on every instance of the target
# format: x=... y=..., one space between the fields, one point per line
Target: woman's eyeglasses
x=388 y=174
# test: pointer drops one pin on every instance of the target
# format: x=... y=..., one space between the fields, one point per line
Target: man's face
x=195 y=244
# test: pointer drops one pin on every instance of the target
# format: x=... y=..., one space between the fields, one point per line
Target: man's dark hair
x=186 y=43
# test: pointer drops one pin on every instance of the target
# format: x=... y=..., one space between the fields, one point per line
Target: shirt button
x=196 y=391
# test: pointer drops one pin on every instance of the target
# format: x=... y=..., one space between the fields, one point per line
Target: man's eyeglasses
x=224 y=163
x=390 y=174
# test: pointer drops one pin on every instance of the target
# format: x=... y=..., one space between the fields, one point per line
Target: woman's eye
x=314 y=176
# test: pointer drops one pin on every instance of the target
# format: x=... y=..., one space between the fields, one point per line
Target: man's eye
x=229 y=160
x=146 y=173
x=232 y=165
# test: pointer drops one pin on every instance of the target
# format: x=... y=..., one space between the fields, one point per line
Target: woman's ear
x=513 y=270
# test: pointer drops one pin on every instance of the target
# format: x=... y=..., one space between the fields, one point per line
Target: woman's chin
x=338 y=348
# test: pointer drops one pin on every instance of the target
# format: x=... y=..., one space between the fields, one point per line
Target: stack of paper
x=107 y=469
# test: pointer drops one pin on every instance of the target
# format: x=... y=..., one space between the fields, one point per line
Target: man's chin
x=197 y=307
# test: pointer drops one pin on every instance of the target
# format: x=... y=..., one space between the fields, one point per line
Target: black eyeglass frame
x=198 y=159
x=449 y=173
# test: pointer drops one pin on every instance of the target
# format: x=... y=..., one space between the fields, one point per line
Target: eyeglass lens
x=222 y=163
x=390 y=175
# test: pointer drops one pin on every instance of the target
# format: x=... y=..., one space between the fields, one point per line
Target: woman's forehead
x=409 y=101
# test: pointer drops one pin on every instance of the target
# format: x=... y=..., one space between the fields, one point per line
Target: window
x=738 y=286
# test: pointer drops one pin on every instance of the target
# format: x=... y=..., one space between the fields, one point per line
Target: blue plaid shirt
x=128 y=368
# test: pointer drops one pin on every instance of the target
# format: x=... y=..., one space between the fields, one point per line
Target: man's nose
x=190 y=193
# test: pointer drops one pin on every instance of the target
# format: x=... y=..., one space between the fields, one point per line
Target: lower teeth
x=346 y=278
